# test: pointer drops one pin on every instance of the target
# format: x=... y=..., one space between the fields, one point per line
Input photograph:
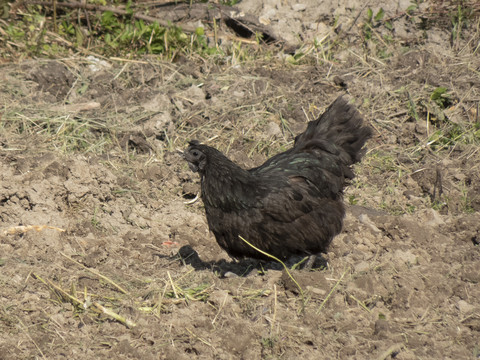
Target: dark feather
x=293 y=203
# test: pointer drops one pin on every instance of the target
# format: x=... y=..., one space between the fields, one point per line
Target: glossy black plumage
x=292 y=204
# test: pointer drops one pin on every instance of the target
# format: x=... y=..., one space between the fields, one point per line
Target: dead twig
x=93 y=271
x=22 y=229
x=25 y=330
x=395 y=348
x=331 y=292
x=65 y=296
x=119 y=318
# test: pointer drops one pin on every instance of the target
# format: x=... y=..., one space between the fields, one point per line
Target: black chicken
x=293 y=203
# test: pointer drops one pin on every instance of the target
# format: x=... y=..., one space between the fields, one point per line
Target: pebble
x=273 y=129
x=465 y=307
x=362 y=266
x=299 y=7
x=230 y=274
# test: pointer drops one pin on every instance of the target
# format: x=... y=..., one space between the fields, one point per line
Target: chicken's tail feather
x=339 y=130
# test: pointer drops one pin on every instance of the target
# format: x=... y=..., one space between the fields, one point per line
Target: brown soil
x=92 y=151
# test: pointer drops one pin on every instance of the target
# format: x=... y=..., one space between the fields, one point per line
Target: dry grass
x=412 y=135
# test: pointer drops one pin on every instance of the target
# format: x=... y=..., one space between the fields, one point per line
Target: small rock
x=273 y=129
x=421 y=128
x=433 y=218
x=238 y=94
x=267 y=16
x=405 y=256
x=157 y=102
x=362 y=266
x=365 y=220
x=230 y=274
x=472 y=276
x=194 y=94
x=220 y=297
x=316 y=291
x=340 y=81
x=190 y=189
x=321 y=30
x=299 y=7
x=381 y=327
x=401 y=30
x=97 y=64
x=264 y=20
x=73 y=108
x=465 y=307
x=270 y=13
x=403 y=4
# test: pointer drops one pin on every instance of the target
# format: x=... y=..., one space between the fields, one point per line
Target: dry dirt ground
x=94 y=222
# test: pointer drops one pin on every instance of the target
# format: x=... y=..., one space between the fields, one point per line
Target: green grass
x=42 y=32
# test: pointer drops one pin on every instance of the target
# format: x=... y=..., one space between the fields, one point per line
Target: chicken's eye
x=195 y=153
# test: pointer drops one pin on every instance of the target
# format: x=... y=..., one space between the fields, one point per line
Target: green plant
x=95 y=222
x=105 y=33
x=268 y=342
x=229 y=2
x=412 y=108
x=459 y=21
x=370 y=34
x=412 y=8
x=372 y=21
x=441 y=97
x=352 y=200
x=466 y=200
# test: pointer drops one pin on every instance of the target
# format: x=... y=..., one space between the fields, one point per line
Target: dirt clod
x=400 y=282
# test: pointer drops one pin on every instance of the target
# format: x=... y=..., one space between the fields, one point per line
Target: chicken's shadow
x=242 y=267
